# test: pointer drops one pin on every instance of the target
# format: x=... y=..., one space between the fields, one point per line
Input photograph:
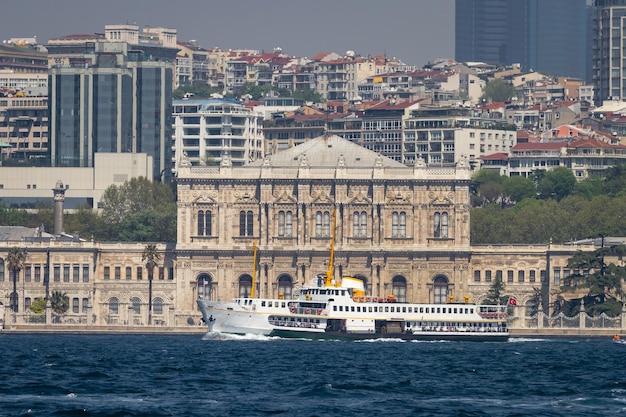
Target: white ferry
x=325 y=309
x=339 y=309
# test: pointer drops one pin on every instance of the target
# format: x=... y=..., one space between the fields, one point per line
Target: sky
x=415 y=31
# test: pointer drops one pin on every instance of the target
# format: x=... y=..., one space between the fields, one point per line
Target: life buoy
x=368 y=299
x=292 y=309
x=307 y=311
x=319 y=311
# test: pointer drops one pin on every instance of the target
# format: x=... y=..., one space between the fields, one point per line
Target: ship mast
x=329 y=272
x=253 y=272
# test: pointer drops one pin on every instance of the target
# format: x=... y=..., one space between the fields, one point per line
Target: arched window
x=204 y=223
x=441 y=225
x=398 y=224
x=114 y=306
x=285 y=221
x=13 y=300
x=359 y=227
x=205 y=285
x=135 y=304
x=246 y=225
x=157 y=306
x=285 y=286
x=440 y=289
x=399 y=288
x=245 y=286
x=322 y=223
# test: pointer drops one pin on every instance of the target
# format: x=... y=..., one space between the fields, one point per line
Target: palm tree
x=15 y=263
x=150 y=256
x=59 y=302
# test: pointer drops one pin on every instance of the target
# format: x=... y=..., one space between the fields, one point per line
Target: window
x=499 y=275
x=129 y=273
x=135 y=304
x=509 y=276
x=557 y=277
x=75 y=305
x=113 y=306
x=245 y=286
x=322 y=223
x=107 y=273
x=476 y=276
x=246 y=227
x=398 y=224
x=161 y=273
x=27 y=273
x=487 y=276
x=66 y=273
x=399 y=289
x=1 y=270
x=359 y=227
x=441 y=225
x=57 y=273
x=531 y=276
x=440 y=286
x=204 y=223
x=37 y=273
x=75 y=273
x=118 y=273
x=157 y=306
x=139 y=273
x=520 y=276
x=85 y=273
x=285 y=287
x=285 y=221
x=85 y=305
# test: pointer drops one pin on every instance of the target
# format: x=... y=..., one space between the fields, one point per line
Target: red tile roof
x=539 y=146
x=500 y=156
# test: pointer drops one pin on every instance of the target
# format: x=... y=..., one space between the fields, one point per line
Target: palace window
x=75 y=305
x=322 y=223
x=399 y=289
x=285 y=223
x=157 y=306
x=246 y=225
x=285 y=287
x=440 y=287
x=85 y=273
x=85 y=305
x=129 y=273
x=114 y=306
x=441 y=225
x=245 y=286
x=204 y=223
x=398 y=224
x=359 y=228
x=135 y=303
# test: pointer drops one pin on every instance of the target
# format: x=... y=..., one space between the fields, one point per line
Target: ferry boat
x=339 y=309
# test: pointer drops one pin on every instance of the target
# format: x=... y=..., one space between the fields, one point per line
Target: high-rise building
x=609 y=33
x=549 y=36
x=112 y=93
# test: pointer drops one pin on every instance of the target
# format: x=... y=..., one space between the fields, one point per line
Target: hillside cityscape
x=481 y=176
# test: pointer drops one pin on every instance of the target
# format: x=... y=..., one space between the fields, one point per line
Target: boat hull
x=430 y=336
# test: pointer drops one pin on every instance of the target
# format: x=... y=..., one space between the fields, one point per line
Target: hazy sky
x=416 y=31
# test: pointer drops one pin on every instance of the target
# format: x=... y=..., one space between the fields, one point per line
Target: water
x=124 y=375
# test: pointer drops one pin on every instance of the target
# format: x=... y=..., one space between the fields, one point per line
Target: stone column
x=623 y=326
x=540 y=317
x=59 y=199
x=582 y=315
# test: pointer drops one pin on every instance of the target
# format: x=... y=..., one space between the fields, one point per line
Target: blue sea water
x=131 y=375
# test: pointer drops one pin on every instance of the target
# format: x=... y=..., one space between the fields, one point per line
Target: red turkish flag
x=512 y=301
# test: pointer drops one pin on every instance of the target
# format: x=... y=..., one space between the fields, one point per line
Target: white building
x=206 y=130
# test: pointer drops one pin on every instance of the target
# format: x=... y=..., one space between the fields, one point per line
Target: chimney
x=59 y=199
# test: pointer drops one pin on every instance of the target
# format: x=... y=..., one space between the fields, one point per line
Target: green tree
x=15 y=263
x=151 y=257
x=85 y=222
x=38 y=306
x=518 y=188
x=196 y=90
x=498 y=90
x=603 y=281
x=557 y=183
x=495 y=294
x=60 y=303
x=13 y=216
x=308 y=95
x=615 y=180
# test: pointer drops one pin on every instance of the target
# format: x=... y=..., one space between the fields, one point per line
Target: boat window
x=455 y=311
x=282 y=304
x=438 y=310
x=322 y=292
x=334 y=308
x=386 y=309
x=340 y=308
x=262 y=303
x=404 y=309
x=352 y=309
x=410 y=309
x=270 y=304
x=393 y=309
x=370 y=309
x=358 y=309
